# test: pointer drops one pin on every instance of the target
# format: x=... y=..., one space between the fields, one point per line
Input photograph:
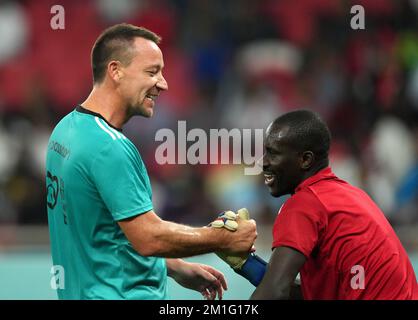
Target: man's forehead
x=276 y=137
x=148 y=51
x=277 y=132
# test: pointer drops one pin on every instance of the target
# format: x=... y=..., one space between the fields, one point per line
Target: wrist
x=219 y=238
x=174 y=267
x=253 y=269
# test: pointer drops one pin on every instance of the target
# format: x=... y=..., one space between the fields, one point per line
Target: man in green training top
x=104 y=232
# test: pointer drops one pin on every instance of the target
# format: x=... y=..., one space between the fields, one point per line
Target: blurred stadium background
x=229 y=64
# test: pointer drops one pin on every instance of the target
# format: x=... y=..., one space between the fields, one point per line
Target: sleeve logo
x=52 y=190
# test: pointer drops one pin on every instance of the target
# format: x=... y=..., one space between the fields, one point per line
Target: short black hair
x=115 y=43
x=307 y=132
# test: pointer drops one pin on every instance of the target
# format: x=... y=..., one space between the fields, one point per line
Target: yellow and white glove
x=248 y=265
x=227 y=220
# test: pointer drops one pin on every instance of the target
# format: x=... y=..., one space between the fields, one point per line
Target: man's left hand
x=199 y=277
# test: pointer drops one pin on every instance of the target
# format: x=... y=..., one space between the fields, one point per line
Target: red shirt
x=352 y=251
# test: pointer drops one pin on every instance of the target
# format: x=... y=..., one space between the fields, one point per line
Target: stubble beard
x=139 y=110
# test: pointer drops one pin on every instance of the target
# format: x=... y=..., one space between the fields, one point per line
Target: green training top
x=96 y=177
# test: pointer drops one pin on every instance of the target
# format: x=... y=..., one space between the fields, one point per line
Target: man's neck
x=315 y=169
x=312 y=171
x=107 y=104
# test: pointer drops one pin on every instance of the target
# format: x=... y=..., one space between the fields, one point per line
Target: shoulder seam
x=322 y=206
x=101 y=126
x=119 y=135
x=317 y=198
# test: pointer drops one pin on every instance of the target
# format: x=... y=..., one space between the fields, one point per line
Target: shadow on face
x=281 y=163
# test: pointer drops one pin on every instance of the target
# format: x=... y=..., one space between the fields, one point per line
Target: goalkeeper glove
x=250 y=266
x=226 y=220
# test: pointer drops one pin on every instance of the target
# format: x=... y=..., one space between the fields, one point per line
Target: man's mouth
x=269 y=179
x=151 y=97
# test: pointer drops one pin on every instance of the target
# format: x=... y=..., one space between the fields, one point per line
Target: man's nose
x=162 y=83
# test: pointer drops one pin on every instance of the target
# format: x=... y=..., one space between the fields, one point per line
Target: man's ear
x=307 y=159
x=114 y=70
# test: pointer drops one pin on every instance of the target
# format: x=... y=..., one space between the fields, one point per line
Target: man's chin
x=274 y=192
x=148 y=114
x=145 y=113
x=277 y=192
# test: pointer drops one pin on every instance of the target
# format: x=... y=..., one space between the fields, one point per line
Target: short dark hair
x=114 y=44
x=307 y=132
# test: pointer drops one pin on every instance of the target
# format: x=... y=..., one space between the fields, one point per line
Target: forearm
x=280 y=276
x=296 y=292
x=152 y=236
x=269 y=291
x=172 y=240
x=278 y=292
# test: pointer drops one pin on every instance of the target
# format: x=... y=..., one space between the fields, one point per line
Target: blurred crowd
x=229 y=64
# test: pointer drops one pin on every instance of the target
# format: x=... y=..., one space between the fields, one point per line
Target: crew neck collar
x=79 y=108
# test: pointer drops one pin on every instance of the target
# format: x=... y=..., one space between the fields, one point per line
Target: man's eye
x=153 y=73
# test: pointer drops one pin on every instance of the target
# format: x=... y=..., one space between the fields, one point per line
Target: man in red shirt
x=329 y=231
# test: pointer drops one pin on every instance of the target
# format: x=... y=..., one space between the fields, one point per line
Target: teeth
x=151 y=97
x=268 y=178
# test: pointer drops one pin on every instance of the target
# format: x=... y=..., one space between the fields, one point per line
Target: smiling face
x=281 y=163
x=141 y=81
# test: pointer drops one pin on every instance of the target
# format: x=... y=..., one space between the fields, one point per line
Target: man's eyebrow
x=271 y=148
x=156 y=66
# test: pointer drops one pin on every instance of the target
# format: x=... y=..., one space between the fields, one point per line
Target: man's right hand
x=248 y=265
x=241 y=240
